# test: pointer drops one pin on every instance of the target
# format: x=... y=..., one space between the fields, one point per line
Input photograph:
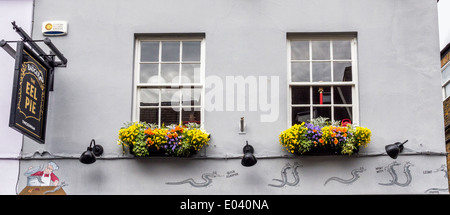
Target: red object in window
x=321 y=95
x=344 y=122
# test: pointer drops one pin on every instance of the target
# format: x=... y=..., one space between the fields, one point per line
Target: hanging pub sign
x=30 y=94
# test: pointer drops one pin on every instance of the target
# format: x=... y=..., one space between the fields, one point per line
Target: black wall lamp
x=249 y=159
x=89 y=155
x=394 y=149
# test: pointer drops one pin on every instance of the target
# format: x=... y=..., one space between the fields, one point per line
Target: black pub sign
x=30 y=94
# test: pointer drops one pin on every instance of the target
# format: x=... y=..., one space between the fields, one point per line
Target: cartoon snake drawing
x=408 y=175
x=284 y=179
x=443 y=168
x=207 y=177
x=355 y=173
x=390 y=169
x=406 y=171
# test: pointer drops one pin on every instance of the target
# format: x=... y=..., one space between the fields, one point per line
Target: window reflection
x=342 y=49
x=320 y=50
x=170 y=51
x=342 y=71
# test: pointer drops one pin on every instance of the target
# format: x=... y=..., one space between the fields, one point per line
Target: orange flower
x=321 y=140
x=335 y=141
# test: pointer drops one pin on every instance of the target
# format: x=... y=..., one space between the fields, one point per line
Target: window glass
x=300 y=114
x=300 y=50
x=321 y=71
x=342 y=50
x=322 y=80
x=191 y=51
x=148 y=73
x=149 y=51
x=342 y=94
x=169 y=83
x=342 y=71
x=170 y=51
x=320 y=50
x=446 y=74
x=300 y=95
x=300 y=72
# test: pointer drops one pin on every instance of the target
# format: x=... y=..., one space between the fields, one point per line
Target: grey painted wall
x=399 y=93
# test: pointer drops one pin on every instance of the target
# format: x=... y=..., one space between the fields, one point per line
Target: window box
x=143 y=140
x=322 y=137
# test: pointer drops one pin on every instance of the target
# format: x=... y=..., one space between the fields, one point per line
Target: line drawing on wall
x=284 y=178
x=355 y=175
x=443 y=168
x=207 y=180
x=393 y=173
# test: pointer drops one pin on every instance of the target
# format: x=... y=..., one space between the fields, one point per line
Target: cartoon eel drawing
x=390 y=169
x=406 y=171
x=207 y=177
x=355 y=173
x=284 y=179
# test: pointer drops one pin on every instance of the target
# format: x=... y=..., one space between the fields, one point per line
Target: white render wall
x=20 y=11
x=399 y=95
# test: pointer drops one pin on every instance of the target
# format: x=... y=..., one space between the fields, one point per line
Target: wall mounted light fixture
x=249 y=159
x=242 y=126
x=89 y=155
x=394 y=149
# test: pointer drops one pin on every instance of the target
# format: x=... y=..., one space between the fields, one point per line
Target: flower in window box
x=133 y=136
x=320 y=135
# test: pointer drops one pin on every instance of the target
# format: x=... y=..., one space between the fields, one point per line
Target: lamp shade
x=88 y=156
x=394 y=149
x=249 y=159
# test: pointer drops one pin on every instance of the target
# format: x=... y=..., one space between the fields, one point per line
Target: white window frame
x=137 y=86
x=354 y=83
x=444 y=95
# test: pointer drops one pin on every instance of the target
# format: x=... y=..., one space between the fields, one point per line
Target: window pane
x=447 y=90
x=341 y=113
x=446 y=74
x=342 y=95
x=148 y=73
x=321 y=71
x=188 y=116
x=191 y=51
x=342 y=50
x=320 y=50
x=300 y=50
x=326 y=95
x=170 y=116
x=300 y=114
x=190 y=73
x=149 y=115
x=322 y=112
x=300 y=95
x=300 y=72
x=342 y=71
x=149 y=97
x=170 y=73
x=170 y=97
x=170 y=51
x=191 y=96
x=149 y=51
